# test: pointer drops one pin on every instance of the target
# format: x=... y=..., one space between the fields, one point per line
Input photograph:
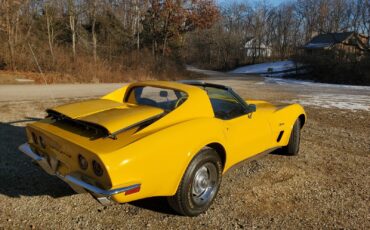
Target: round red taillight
x=98 y=170
x=82 y=162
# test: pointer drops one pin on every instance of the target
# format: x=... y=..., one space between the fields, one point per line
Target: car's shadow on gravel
x=18 y=175
x=156 y=204
x=279 y=152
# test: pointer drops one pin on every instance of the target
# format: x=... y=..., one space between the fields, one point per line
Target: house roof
x=323 y=41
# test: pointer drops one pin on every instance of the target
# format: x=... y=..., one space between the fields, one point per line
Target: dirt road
x=326 y=186
x=49 y=92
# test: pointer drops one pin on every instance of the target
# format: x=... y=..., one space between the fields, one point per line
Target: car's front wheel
x=199 y=185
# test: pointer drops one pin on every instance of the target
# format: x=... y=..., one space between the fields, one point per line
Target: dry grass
x=133 y=66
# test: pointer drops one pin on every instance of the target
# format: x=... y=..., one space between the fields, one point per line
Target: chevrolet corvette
x=159 y=138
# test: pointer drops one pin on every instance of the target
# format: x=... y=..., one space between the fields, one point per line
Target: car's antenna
x=42 y=74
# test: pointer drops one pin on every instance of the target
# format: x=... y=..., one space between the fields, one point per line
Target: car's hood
x=112 y=116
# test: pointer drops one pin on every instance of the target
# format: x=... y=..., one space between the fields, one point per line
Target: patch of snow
x=24 y=80
x=266 y=68
x=284 y=81
x=347 y=102
x=285 y=73
x=317 y=45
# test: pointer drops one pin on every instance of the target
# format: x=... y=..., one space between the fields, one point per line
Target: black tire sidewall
x=294 y=141
x=204 y=156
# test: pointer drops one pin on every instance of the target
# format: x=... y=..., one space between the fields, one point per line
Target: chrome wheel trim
x=204 y=184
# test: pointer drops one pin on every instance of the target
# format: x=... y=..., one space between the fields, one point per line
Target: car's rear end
x=69 y=155
x=73 y=140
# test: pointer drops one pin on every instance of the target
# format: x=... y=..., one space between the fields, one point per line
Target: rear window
x=166 y=99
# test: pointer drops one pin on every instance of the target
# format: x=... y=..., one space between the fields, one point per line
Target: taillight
x=98 y=170
x=134 y=190
x=82 y=162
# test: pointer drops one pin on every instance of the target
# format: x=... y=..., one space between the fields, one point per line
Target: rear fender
x=158 y=161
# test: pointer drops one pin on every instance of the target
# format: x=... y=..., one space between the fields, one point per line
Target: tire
x=199 y=185
x=292 y=148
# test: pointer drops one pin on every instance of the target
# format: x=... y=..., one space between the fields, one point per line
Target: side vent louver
x=280 y=136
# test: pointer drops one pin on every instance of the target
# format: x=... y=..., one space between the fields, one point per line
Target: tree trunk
x=10 y=31
x=72 y=26
x=137 y=25
x=11 y=53
x=164 y=45
x=50 y=33
x=166 y=33
x=138 y=41
x=94 y=39
x=73 y=32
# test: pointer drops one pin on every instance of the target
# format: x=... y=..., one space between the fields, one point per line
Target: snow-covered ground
x=347 y=97
x=272 y=69
x=307 y=93
x=284 y=81
x=325 y=100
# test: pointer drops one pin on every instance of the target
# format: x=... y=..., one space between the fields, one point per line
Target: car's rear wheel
x=199 y=185
x=295 y=137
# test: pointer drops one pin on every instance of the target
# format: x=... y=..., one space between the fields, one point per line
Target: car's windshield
x=166 y=99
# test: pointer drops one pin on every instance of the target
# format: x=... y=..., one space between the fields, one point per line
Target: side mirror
x=251 y=108
x=163 y=93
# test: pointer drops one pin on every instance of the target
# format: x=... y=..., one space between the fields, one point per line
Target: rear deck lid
x=112 y=116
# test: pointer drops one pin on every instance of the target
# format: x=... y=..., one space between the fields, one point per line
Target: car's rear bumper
x=77 y=184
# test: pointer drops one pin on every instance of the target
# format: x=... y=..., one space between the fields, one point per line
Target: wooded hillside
x=115 y=40
x=100 y=39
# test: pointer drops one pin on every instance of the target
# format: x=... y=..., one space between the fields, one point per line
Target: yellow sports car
x=158 y=138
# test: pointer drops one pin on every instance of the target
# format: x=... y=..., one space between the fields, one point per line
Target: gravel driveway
x=326 y=186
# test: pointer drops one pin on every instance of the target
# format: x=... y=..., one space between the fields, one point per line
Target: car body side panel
x=247 y=136
x=159 y=160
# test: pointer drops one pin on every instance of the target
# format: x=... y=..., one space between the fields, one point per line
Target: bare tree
x=72 y=15
x=365 y=15
x=49 y=12
x=260 y=26
x=92 y=8
x=137 y=23
x=10 y=25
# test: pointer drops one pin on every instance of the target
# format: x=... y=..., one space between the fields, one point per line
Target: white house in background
x=254 y=48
